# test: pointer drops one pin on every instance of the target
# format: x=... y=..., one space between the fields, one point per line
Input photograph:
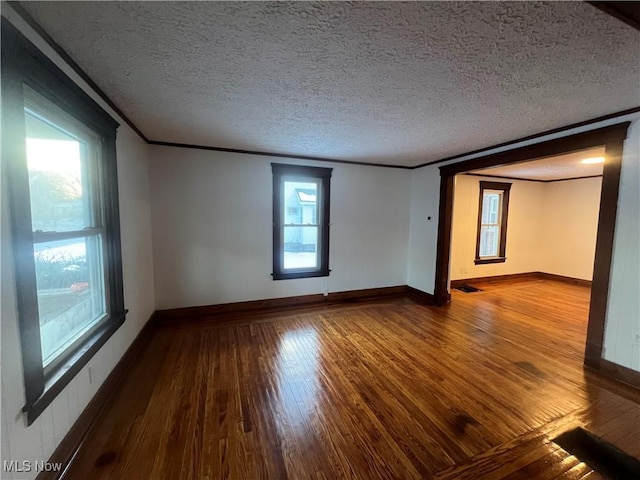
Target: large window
x=58 y=151
x=493 y=211
x=63 y=159
x=300 y=221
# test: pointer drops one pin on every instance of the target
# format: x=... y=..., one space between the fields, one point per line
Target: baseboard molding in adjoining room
x=520 y=277
x=561 y=278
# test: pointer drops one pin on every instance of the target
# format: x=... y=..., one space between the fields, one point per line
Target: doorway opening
x=611 y=140
x=527 y=221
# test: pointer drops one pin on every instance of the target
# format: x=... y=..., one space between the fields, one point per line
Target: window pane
x=491 y=207
x=70 y=288
x=300 y=200
x=489 y=238
x=300 y=247
x=58 y=191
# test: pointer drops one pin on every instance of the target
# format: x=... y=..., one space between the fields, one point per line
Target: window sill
x=483 y=261
x=292 y=275
x=70 y=368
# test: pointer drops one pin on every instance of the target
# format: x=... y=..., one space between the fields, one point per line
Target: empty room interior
x=550 y=220
x=366 y=240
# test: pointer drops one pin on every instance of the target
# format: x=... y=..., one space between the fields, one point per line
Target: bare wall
x=622 y=333
x=524 y=239
x=551 y=228
x=569 y=226
x=212 y=228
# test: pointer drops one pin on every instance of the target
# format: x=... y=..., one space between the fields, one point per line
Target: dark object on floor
x=467 y=289
x=603 y=457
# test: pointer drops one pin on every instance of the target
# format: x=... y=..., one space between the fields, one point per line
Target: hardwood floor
x=378 y=390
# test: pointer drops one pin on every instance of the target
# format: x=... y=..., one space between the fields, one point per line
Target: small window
x=492 y=222
x=58 y=147
x=300 y=240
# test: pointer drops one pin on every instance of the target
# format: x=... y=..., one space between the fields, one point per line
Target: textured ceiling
x=550 y=168
x=388 y=82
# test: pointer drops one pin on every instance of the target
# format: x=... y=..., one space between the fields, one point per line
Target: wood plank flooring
x=378 y=390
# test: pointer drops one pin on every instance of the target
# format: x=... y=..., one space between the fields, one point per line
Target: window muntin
x=301 y=221
x=492 y=222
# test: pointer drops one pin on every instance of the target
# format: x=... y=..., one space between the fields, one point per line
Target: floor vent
x=467 y=289
x=603 y=457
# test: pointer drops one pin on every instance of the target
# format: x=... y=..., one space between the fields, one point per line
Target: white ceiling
x=388 y=82
x=550 y=168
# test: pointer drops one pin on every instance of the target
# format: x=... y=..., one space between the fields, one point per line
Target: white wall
x=423 y=228
x=212 y=228
x=551 y=228
x=38 y=441
x=622 y=333
x=523 y=229
x=569 y=226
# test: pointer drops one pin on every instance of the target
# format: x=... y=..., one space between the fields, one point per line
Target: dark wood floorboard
x=377 y=390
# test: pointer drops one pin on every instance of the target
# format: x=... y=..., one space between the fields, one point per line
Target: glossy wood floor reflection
x=382 y=390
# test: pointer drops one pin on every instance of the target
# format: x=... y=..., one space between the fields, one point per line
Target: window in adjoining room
x=493 y=212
